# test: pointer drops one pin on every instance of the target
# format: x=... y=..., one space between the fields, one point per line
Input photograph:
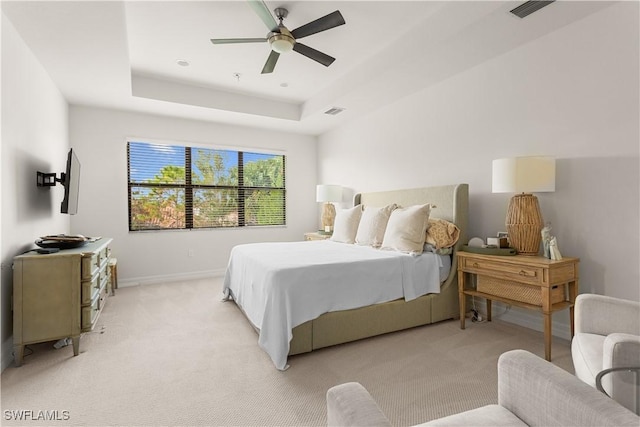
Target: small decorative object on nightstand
x=531 y=282
x=316 y=235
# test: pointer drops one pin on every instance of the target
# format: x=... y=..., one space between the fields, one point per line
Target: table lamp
x=524 y=175
x=328 y=194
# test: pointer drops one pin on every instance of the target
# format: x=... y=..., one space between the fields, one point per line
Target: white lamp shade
x=524 y=175
x=328 y=193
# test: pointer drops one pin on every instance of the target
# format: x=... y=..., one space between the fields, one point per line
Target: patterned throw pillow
x=442 y=233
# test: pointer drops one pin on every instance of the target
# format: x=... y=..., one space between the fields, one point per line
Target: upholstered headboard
x=451 y=203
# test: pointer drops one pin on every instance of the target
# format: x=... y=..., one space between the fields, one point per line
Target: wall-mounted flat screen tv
x=71 y=182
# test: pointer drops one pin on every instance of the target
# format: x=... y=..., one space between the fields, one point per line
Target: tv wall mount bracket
x=48 y=179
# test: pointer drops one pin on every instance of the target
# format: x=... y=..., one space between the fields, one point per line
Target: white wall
x=572 y=94
x=34 y=138
x=100 y=136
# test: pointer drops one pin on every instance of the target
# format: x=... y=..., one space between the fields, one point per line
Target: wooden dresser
x=59 y=295
x=531 y=282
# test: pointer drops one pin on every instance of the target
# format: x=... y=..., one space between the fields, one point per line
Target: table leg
x=18 y=354
x=488 y=310
x=76 y=345
x=573 y=293
x=573 y=326
x=462 y=298
x=547 y=336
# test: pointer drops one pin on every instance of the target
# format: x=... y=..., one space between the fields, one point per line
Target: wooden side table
x=531 y=282
x=315 y=235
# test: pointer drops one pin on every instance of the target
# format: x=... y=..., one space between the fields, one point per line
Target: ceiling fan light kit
x=281 y=40
x=281 y=43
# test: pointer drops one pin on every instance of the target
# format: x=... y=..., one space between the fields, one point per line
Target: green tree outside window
x=177 y=187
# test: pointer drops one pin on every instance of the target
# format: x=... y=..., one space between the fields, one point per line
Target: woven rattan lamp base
x=524 y=224
x=328 y=216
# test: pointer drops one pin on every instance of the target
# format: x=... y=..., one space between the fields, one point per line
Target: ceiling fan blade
x=271 y=62
x=230 y=41
x=263 y=12
x=327 y=22
x=316 y=55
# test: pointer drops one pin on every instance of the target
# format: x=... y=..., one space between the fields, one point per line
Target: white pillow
x=373 y=224
x=406 y=229
x=345 y=225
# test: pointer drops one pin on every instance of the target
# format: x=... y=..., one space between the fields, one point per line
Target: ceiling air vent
x=526 y=9
x=334 y=110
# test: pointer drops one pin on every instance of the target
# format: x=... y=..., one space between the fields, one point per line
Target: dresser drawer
x=518 y=273
x=518 y=291
x=565 y=273
x=94 y=261
x=90 y=313
x=104 y=274
x=90 y=265
x=90 y=289
x=103 y=257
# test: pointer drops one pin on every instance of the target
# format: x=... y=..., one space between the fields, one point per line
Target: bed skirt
x=339 y=327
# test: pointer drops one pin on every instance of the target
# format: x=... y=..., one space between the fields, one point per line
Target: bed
x=303 y=296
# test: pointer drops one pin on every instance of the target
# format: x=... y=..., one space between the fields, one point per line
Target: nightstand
x=531 y=282
x=316 y=235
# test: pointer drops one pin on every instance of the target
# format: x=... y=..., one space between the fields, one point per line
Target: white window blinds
x=177 y=187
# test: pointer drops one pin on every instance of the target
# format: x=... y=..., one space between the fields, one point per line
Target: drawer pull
x=475 y=264
x=524 y=273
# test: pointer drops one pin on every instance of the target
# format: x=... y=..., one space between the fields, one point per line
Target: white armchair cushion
x=486 y=416
x=586 y=350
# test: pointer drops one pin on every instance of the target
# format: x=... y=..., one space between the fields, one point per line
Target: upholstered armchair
x=531 y=392
x=607 y=335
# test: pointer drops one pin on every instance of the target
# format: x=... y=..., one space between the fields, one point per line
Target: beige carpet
x=173 y=354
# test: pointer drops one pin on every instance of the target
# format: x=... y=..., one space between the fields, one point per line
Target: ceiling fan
x=282 y=40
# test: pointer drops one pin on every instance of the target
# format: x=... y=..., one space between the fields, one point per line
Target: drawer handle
x=475 y=264
x=523 y=273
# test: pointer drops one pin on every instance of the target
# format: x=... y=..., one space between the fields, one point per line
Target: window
x=180 y=187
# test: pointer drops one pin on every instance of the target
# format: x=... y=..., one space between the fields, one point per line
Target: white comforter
x=282 y=285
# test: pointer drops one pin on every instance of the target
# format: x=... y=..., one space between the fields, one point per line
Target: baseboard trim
x=150 y=280
x=527 y=318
